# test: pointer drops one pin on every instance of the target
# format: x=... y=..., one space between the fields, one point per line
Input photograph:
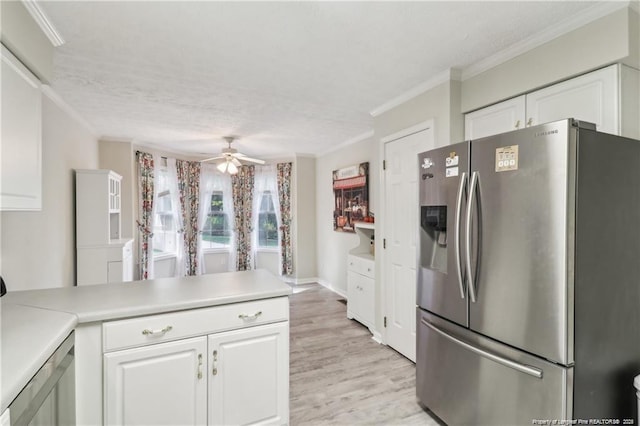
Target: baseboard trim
x=377 y=337
x=299 y=281
x=329 y=286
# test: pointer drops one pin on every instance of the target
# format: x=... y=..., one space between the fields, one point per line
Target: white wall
x=440 y=104
x=116 y=156
x=304 y=219
x=38 y=248
x=613 y=38
x=332 y=246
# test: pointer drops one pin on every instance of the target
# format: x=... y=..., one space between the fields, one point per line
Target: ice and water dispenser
x=433 y=238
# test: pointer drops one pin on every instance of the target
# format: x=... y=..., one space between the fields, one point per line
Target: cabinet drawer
x=178 y=325
x=361 y=265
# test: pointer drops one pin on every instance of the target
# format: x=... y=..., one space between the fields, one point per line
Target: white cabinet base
x=361 y=274
x=110 y=263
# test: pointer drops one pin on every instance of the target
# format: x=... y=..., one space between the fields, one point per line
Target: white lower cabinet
x=361 y=290
x=249 y=376
x=157 y=384
x=109 y=263
x=220 y=366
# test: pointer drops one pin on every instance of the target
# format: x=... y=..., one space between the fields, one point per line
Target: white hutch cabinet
x=606 y=97
x=361 y=277
x=102 y=255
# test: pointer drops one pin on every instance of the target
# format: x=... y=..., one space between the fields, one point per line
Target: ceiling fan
x=232 y=158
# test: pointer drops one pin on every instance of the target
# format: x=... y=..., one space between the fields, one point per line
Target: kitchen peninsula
x=210 y=342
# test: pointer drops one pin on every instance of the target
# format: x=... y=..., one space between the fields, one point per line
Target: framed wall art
x=351 y=196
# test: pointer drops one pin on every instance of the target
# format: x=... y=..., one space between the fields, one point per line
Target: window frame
x=163 y=255
x=229 y=246
x=267 y=249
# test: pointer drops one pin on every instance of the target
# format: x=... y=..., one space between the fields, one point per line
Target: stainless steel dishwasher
x=49 y=397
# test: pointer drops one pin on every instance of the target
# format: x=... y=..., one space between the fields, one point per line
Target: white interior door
x=400 y=233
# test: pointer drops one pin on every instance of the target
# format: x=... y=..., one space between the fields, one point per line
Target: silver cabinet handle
x=250 y=317
x=517 y=124
x=148 y=332
x=467 y=249
x=199 y=366
x=463 y=185
x=214 y=370
x=530 y=122
x=532 y=371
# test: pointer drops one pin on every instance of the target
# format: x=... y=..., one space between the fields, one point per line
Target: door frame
x=382 y=231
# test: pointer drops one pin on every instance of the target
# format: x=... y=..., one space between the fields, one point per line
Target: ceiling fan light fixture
x=227 y=167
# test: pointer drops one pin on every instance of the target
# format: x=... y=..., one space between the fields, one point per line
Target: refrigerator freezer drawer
x=465 y=378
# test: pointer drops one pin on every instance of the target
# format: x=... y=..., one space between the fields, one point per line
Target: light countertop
x=35 y=322
x=130 y=299
x=28 y=338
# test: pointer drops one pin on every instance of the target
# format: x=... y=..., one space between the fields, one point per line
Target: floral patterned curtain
x=145 y=213
x=284 y=195
x=189 y=190
x=242 y=188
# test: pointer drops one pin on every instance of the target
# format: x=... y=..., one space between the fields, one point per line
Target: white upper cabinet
x=499 y=118
x=20 y=152
x=600 y=97
x=591 y=97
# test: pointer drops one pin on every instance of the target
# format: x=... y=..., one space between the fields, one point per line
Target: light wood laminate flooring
x=339 y=375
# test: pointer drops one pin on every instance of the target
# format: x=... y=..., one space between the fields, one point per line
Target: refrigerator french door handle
x=527 y=369
x=458 y=222
x=467 y=243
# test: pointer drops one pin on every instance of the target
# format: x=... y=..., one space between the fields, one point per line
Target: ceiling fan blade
x=212 y=158
x=236 y=162
x=252 y=160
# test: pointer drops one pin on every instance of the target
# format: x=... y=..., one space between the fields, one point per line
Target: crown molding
x=450 y=74
x=565 y=26
x=56 y=99
x=428 y=124
x=356 y=139
x=43 y=22
x=116 y=140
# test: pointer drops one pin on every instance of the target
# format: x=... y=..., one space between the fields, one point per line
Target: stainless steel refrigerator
x=529 y=277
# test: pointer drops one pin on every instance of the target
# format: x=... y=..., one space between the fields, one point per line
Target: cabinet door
x=162 y=384
x=249 y=376
x=360 y=293
x=115 y=272
x=499 y=118
x=367 y=286
x=591 y=97
x=20 y=151
x=354 y=308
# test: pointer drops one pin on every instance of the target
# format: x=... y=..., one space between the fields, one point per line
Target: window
x=267 y=222
x=164 y=223
x=216 y=232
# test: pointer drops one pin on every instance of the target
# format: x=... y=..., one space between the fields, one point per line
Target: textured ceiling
x=287 y=77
